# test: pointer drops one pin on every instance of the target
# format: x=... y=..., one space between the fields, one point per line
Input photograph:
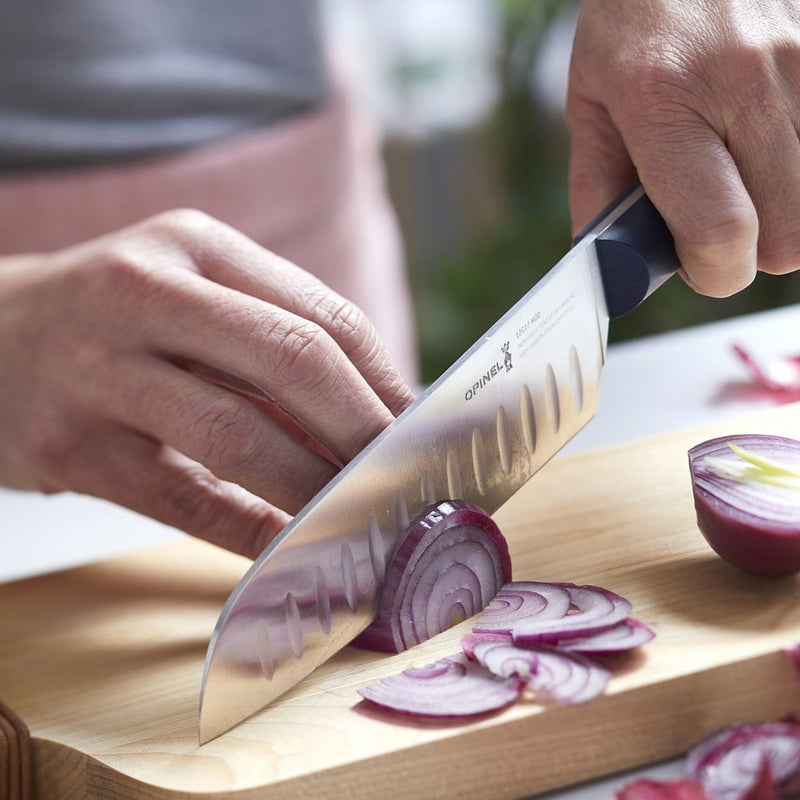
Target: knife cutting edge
x=478 y=433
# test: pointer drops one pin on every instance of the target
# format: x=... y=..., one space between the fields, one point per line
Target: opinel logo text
x=496 y=369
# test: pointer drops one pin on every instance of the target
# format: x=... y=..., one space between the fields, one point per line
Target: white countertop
x=649 y=386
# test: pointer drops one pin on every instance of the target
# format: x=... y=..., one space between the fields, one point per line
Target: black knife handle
x=635 y=250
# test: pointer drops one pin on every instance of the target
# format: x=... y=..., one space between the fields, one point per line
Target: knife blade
x=478 y=433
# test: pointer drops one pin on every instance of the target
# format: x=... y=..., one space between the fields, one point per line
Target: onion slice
x=560 y=675
x=625 y=635
x=780 y=377
x=523 y=601
x=571 y=611
x=450 y=564
x=451 y=687
x=747 y=499
x=730 y=762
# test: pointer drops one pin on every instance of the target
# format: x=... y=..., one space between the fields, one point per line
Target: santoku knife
x=477 y=434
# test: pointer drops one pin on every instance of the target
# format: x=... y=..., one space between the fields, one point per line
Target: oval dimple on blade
x=265 y=654
x=455 y=486
x=294 y=626
x=479 y=460
x=576 y=377
x=504 y=440
x=554 y=401
x=528 y=418
x=376 y=549
x=401 y=513
x=349 y=576
x=323 y=601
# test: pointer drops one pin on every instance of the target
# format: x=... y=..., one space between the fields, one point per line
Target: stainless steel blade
x=478 y=433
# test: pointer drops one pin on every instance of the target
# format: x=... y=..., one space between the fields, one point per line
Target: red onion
x=586 y=610
x=561 y=676
x=451 y=687
x=450 y=564
x=748 y=501
x=730 y=762
x=779 y=377
x=624 y=635
x=520 y=601
x=553 y=671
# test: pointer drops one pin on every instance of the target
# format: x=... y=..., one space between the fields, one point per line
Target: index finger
x=228 y=257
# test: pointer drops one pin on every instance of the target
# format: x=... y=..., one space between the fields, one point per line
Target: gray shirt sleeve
x=86 y=81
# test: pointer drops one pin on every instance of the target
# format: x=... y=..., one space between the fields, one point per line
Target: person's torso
x=86 y=81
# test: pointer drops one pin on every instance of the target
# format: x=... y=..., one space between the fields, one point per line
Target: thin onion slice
x=562 y=676
x=625 y=635
x=521 y=601
x=780 y=376
x=595 y=609
x=451 y=563
x=747 y=500
x=730 y=762
x=451 y=687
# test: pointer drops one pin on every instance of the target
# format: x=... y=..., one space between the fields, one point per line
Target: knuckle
x=57 y=451
x=303 y=355
x=184 y=220
x=224 y=435
x=191 y=501
x=348 y=324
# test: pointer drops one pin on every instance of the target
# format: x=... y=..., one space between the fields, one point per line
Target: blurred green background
x=484 y=214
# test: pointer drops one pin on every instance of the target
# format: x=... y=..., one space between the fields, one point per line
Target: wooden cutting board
x=104 y=662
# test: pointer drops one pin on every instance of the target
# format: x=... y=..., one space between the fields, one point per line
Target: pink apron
x=310 y=189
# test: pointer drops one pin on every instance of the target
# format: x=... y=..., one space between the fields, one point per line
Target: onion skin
x=450 y=564
x=751 y=538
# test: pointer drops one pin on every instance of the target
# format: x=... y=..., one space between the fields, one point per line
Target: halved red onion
x=749 y=510
x=451 y=687
x=523 y=600
x=561 y=676
x=451 y=563
x=625 y=635
x=730 y=762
